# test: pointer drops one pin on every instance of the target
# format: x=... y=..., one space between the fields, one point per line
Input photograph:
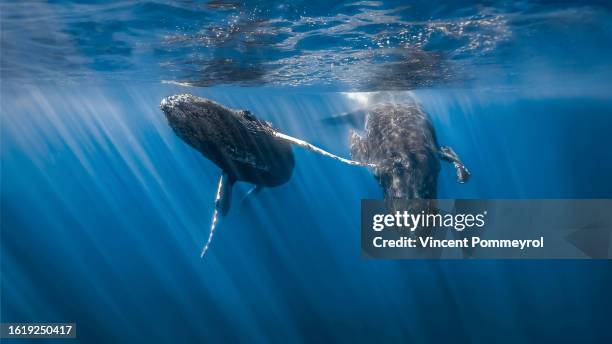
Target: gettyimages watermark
x=486 y=229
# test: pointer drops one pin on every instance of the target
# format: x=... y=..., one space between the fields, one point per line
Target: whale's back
x=401 y=141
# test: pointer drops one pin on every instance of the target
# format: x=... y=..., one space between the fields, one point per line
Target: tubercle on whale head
x=174 y=107
x=169 y=103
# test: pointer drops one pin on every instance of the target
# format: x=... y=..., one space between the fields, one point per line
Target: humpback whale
x=244 y=147
x=401 y=143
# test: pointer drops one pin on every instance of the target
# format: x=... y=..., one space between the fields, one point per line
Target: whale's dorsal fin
x=318 y=150
x=448 y=154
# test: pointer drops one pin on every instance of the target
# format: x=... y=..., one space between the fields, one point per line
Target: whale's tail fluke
x=318 y=150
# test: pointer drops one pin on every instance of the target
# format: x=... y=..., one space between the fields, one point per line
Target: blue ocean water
x=104 y=210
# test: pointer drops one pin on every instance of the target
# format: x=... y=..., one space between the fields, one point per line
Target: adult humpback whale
x=243 y=146
x=401 y=142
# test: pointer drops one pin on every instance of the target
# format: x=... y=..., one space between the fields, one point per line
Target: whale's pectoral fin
x=448 y=154
x=357 y=147
x=222 y=203
x=224 y=198
x=318 y=150
x=253 y=191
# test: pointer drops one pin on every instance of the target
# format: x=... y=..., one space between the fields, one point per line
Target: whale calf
x=401 y=142
x=244 y=147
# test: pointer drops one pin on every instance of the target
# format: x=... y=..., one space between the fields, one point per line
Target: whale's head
x=200 y=122
x=181 y=107
x=189 y=115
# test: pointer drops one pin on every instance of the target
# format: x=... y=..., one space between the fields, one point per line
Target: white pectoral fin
x=223 y=200
x=222 y=203
x=318 y=150
x=448 y=154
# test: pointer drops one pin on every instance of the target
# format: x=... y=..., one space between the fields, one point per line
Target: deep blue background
x=104 y=214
